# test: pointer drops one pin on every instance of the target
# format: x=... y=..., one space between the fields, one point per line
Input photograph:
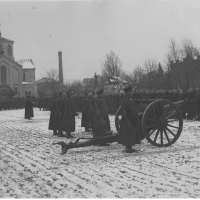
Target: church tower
x=17 y=78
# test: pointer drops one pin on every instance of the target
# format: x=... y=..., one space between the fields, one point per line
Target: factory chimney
x=60 y=67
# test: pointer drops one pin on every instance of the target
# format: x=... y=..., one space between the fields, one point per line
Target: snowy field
x=30 y=167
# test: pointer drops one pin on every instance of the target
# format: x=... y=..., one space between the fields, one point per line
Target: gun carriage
x=161 y=124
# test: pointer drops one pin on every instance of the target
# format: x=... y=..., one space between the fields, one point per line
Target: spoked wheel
x=118 y=117
x=162 y=123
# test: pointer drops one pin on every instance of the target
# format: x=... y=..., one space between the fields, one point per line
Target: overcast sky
x=85 y=31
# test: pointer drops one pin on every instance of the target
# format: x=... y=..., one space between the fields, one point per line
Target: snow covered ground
x=30 y=167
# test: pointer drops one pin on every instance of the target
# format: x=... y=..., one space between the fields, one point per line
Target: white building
x=16 y=77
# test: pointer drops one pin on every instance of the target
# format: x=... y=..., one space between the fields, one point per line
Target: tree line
x=152 y=75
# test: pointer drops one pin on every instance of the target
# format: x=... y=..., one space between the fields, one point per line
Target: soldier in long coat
x=28 y=109
x=85 y=112
x=68 y=122
x=53 y=114
x=128 y=135
x=101 y=105
x=59 y=116
x=91 y=113
x=101 y=120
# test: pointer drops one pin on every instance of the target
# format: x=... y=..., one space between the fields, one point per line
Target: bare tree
x=151 y=68
x=173 y=55
x=74 y=86
x=88 y=82
x=188 y=48
x=136 y=78
x=112 y=66
x=174 y=50
x=190 y=68
x=53 y=79
x=159 y=82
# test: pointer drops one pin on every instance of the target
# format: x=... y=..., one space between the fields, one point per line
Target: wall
x=30 y=75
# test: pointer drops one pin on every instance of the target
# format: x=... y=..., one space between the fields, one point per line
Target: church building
x=17 y=78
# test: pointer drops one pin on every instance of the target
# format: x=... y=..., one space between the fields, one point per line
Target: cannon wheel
x=162 y=123
x=118 y=117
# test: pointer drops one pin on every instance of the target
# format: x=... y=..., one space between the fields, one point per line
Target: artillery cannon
x=161 y=124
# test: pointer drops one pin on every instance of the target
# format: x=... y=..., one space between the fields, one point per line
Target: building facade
x=17 y=78
x=185 y=74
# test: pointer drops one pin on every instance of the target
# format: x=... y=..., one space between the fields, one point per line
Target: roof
x=26 y=63
x=43 y=80
x=6 y=57
x=4 y=39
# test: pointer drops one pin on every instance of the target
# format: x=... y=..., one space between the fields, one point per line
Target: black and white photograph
x=100 y=99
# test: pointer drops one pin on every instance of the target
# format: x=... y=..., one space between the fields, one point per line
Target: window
x=1 y=50
x=24 y=76
x=9 y=50
x=3 y=74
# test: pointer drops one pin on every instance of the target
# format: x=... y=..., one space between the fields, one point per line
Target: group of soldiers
x=190 y=110
x=7 y=103
x=11 y=103
x=95 y=118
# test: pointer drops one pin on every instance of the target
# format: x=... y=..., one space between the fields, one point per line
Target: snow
x=26 y=63
x=31 y=167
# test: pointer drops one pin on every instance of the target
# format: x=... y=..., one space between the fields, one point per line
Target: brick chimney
x=60 y=67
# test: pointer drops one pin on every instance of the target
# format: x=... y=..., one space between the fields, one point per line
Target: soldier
x=85 y=111
x=101 y=123
x=28 y=109
x=128 y=133
x=53 y=114
x=101 y=110
x=68 y=122
x=59 y=117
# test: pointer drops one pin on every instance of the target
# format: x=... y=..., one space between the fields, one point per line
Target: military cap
x=127 y=88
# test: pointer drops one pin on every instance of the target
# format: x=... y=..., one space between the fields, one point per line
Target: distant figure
x=28 y=109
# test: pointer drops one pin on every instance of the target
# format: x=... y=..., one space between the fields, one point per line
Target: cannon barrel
x=178 y=103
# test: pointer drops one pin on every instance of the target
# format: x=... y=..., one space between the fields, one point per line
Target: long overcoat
x=128 y=135
x=53 y=114
x=90 y=115
x=85 y=112
x=68 y=123
x=59 y=114
x=100 y=126
x=28 y=109
x=101 y=105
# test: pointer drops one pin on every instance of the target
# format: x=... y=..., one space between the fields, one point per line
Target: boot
x=55 y=133
x=69 y=135
x=61 y=134
x=130 y=150
x=87 y=129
